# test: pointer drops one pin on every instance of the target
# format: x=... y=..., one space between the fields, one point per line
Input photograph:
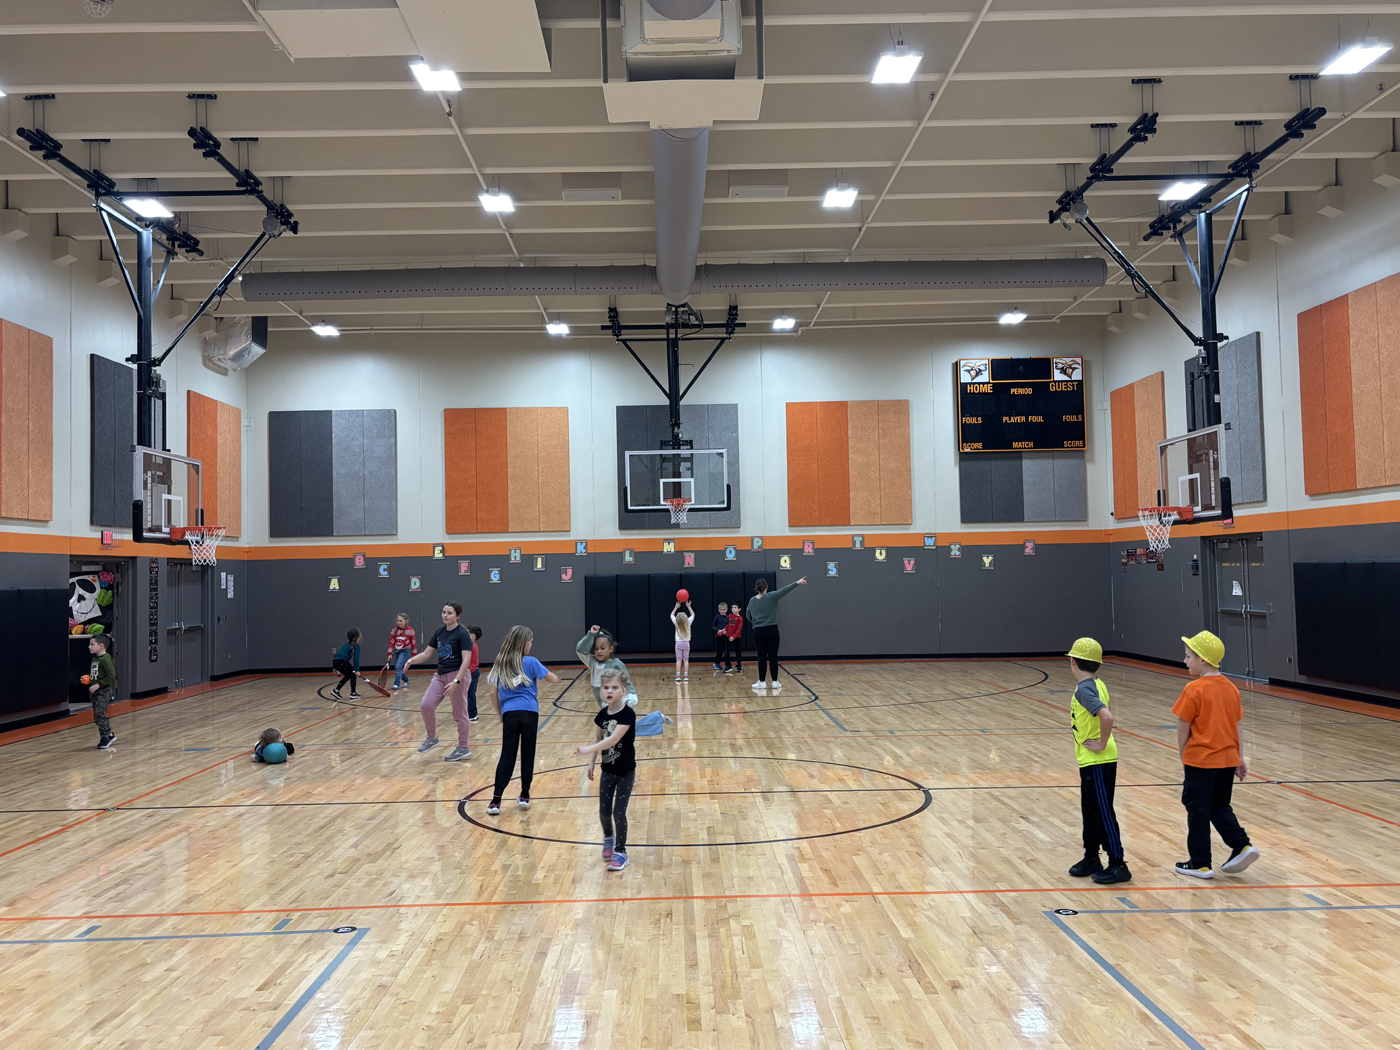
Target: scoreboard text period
x=1020 y=404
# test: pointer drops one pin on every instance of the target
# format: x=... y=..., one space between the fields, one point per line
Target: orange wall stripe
x=833 y=463
x=492 y=479
x=863 y=463
x=1312 y=380
x=1388 y=353
x=896 y=466
x=802 y=463
x=1336 y=362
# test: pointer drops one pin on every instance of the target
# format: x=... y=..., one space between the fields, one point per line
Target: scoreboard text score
x=1020 y=404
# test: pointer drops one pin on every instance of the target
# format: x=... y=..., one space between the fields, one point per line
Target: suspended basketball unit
x=1200 y=454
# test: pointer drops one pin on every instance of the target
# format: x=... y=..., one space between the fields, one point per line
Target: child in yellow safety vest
x=1097 y=753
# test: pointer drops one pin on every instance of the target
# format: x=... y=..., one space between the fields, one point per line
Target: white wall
x=421 y=375
x=1328 y=258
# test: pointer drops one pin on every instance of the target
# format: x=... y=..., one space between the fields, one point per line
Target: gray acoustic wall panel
x=112 y=387
x=332 y=473
x=1023 y=486
x=709 y=426
x=1242 y=412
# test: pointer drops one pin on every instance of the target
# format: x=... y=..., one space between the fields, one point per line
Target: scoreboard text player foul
x=1020 y=404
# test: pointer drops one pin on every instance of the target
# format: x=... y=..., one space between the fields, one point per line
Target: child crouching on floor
x=269 y=737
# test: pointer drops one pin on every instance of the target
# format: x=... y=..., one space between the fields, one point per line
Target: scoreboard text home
x=1020 y=404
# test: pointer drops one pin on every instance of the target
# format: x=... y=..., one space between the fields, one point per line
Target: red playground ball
x=682 y=595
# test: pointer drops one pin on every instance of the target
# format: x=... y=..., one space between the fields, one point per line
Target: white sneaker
x=1240 y=860
x=777 y=686
x=758 y=687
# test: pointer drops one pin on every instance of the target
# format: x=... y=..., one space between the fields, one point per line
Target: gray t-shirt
x=1087 y=693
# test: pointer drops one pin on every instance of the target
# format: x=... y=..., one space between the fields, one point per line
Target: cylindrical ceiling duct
x=678 y=157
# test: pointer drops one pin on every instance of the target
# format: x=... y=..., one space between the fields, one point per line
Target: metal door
x=184 y=634
x=1243 y=606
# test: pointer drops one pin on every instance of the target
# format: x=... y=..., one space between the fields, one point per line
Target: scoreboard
x=1020 y=404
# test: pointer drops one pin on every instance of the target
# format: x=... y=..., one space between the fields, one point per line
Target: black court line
x=817 y=700
x=913 y=785
x=324 y=693
x=555 y=702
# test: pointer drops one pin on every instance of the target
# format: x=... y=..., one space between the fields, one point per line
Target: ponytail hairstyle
x=507 y=669
x=352 y=635
x=607 y=639
x=761 y=587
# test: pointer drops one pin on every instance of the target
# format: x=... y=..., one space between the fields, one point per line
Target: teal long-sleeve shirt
x=763 y=608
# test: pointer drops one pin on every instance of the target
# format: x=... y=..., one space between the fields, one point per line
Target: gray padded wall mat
x=112 y=386
x=1023 y=486
x=332 y=473
x=709 y=426
x=1242 y=412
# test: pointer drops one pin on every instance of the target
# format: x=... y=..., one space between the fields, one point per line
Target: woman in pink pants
x=448 y=645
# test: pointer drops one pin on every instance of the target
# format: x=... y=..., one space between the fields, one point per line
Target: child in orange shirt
x=1208 y=733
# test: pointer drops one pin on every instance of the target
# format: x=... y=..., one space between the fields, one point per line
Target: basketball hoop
x=97 y=8
x=1157 y=522
x=680 y=506
x=203 y=541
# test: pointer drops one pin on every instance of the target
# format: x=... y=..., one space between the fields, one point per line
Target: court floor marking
x=279 y=930
x=1058 y=918
x=688 y=897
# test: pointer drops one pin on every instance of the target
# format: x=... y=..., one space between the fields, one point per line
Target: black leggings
x=347 y=672
x=614 y=793
x=765 y=639
x=518 y=731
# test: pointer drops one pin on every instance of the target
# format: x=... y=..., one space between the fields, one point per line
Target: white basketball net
x=204 y=543
x=680 y=506
x=1157 y=522
x=97 y=8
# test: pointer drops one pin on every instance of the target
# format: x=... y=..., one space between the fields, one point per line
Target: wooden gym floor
x=874 y=857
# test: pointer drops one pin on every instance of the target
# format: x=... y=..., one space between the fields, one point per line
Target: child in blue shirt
x=346 y=663
x=514 y=679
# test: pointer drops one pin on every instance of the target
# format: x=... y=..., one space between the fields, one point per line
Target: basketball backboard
x=1191 y=472
x=166 y=492
x=656 y=475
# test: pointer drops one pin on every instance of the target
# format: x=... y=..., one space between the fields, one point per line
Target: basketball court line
x=696 y=898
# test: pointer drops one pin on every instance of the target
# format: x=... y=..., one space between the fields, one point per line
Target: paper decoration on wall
x=359 y=561
x=1028 y=547
x=831 y=568
x=629 y=557
x=230 y=585
x=26 y=425
x=494 y=575
x=510 y=469
x=881 y=554
x=514 y=555
x=580 y=548
x=1139 y=418
x=383 y=570
x=857 y=543
x=908 y=564
x=464 y=567
x=785 y=561
x=689 y=560
x=415 y=583
x=439 y=552
x=731 y=552
x=809 y=547
x=91 y=603
x=930 y=541
x=988 y=561
x=539 y=563
x=755 y=543
x=668 y=546
x=153 y=607
x=955 y=550
x=848 y=463
x=566 y=574
x=214 y=436
x=334 y=584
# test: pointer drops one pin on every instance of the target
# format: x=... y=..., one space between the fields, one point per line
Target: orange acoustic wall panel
x=26 y=423
x=507 y=469
x=849 y=463
x=1139 y=421
x=214 y=436
x=1349 y=379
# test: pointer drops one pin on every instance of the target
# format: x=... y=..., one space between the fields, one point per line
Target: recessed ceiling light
x=499 y=202
x=1355 y=58
x=325 y=329
x=430 y=79
x=896 y=67
x=1013 y=316
x=148 y=207
x=1183 y=189
x=556 y=328
x=842 y=196
x=784 y=323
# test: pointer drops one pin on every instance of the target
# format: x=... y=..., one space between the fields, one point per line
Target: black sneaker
x=1240 y=859
x=336 y=693
x=106 y=742
x=1086 y=867
x=1185 y=867
x=354 y=696
x=1113 y=873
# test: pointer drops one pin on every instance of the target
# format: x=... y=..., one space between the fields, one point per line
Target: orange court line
x=683 y=897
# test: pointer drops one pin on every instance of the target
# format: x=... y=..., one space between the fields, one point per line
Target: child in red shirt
x=403 y=643
x=732 y=633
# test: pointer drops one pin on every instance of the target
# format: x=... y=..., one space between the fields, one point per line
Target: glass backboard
x=167 y=492
x=656 y=475
x=1191 y=469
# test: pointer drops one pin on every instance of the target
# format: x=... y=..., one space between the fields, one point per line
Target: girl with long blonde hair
x=513 y=681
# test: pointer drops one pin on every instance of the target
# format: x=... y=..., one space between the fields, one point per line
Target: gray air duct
x=678 y=158
x=751 y=278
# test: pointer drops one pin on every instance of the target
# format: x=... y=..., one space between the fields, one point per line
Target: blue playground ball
x=275 y=753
